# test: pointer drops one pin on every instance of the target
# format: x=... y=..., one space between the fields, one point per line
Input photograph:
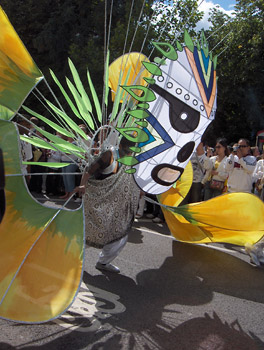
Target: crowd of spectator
x=50 y=181
x=231 y=168
x=219 y=170
x=223 y=169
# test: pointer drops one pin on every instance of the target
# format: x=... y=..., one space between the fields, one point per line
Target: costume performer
x=111 y=199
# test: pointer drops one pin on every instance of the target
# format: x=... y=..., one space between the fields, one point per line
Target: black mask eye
x=183 y=118
x=166 y=174
x=185 y=152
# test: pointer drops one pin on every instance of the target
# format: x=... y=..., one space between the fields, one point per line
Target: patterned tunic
x=110 y=205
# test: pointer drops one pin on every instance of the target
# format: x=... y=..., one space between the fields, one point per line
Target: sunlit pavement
x=169 y=295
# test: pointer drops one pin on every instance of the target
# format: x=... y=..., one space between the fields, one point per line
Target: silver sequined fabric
x=110 y=206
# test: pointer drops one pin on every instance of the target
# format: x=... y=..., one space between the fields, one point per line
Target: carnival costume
x=163 y=108
x=110 y=203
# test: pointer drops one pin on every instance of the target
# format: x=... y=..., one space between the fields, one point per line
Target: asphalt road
x=169 y=295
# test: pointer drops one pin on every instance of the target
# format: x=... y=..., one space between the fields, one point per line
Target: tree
x=240 y=70
x=172 y=17
x=54 y=30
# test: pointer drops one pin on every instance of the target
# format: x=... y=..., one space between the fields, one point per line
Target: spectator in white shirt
x=240 y=168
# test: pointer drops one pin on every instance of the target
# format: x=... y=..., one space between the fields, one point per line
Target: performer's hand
x=239 y=153
x=80 y=190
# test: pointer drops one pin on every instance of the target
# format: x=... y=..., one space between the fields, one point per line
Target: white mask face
x=184 y=107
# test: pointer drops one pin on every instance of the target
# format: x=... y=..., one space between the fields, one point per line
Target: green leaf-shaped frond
x=188 y=41
x=139 y=113
x=160 y=61
x=85 y=114
x=68 y=120
x=49 y=164
x=150 y=80
x=152 y=68
x=59 y=142
x=179 y=46
x=134 y=134
x=148 y=95
x=143 y=105
x=204 y=44
x=37 y=142
x=95 y=98
x=171 y=53
x=206 y=51
x=215 y=61
x=79 y=86
x=142 y=123
x=135 y=149
x=106 y=78
x=128 y=160
x=66 y=96
x=131 y=171
x=119 y=97
x=53 y=125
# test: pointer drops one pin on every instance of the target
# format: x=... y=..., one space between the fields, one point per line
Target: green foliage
x=173 y=17
x=52 y=31
x=240 y=50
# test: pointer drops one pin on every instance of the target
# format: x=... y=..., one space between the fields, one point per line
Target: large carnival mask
x=179 y=105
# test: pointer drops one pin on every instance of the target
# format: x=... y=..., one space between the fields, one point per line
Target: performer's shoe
x=107 y=267
x=65 y=196
x=138 y=216
x=157 y=220
x=150 y=216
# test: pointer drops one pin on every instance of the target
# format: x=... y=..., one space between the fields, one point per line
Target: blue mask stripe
x=207 y=90
x=168 y=143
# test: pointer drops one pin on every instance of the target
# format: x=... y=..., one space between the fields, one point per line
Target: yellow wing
x=236 y=218
x=41 y=250
x=131 y=69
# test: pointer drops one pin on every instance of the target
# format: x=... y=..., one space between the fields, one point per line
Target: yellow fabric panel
x=236 y=218
x=41 y=292
x=41 y=250
x=176 y=194
x=122 y=65
x=47 y=280
x=12 y=47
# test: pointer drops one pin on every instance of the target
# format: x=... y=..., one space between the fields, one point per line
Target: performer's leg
x=141 y=206
x=109 y=253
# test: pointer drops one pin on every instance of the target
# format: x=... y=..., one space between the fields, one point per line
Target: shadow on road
x=189 y=277
x=207 y=332
x=135 y=236
x=154 y=316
